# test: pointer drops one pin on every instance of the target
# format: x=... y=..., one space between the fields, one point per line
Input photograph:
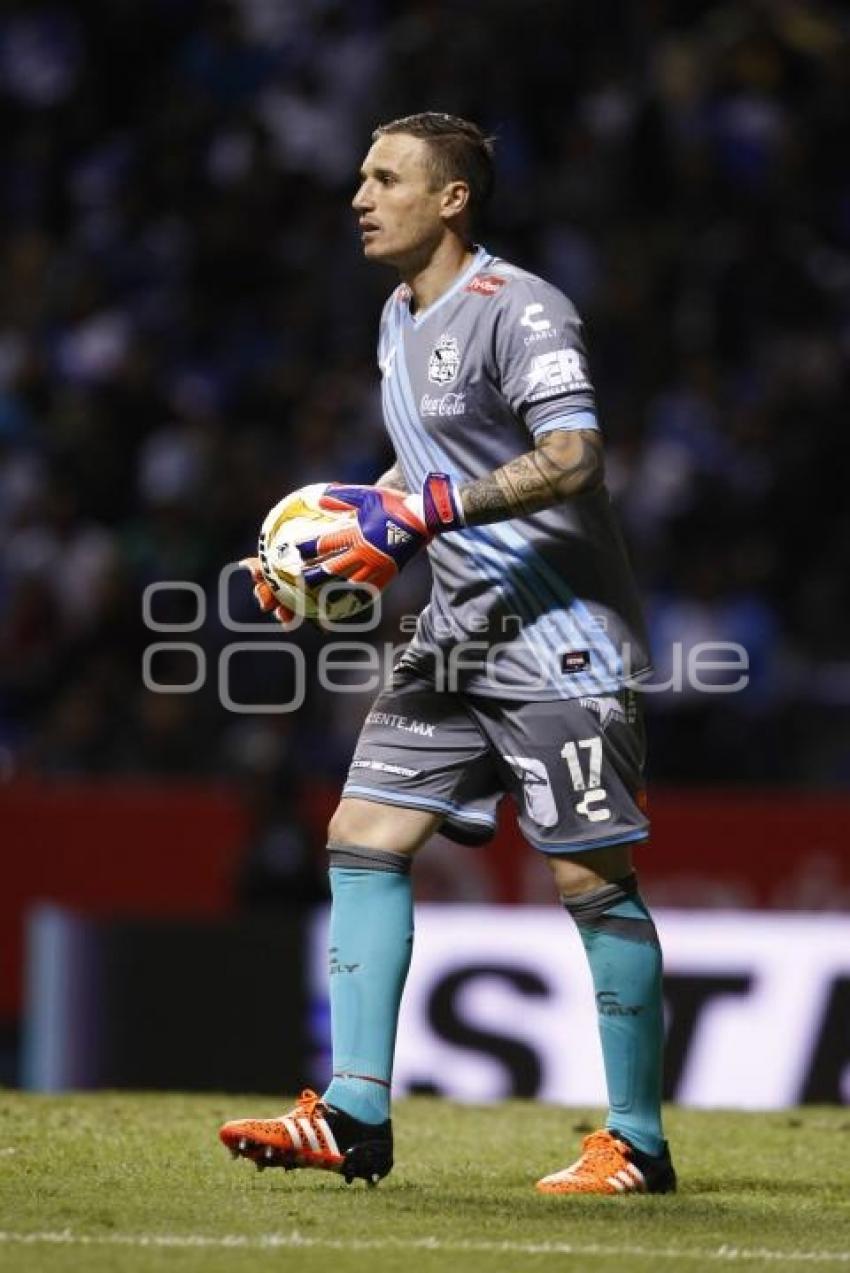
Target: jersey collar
x=482 y=257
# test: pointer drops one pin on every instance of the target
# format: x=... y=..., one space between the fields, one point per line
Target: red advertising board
x=138 y=849
x=133 y=849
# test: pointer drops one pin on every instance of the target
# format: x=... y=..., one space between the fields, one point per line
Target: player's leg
x=575 y=769
x=417 y=748
x=599 y=890
x=348 y=1129
x=370 y=940
x=421 y=763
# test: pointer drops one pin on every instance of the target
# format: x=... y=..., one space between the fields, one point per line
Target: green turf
x=756 y=1191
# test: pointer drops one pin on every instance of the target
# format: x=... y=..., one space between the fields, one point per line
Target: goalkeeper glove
x=266 y=599
x=390 y=529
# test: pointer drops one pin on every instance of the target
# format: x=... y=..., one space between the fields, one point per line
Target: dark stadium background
x=187 y=331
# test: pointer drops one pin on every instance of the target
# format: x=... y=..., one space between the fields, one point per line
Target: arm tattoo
x=565 y=463
x=393 y=478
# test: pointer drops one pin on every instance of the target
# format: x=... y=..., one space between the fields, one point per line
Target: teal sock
x=625 y=962
x=370 y=941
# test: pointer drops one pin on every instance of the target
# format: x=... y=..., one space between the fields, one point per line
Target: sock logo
x=336 y=966
x=608 y=1005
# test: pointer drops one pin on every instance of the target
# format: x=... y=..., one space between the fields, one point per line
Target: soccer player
x=518 y=678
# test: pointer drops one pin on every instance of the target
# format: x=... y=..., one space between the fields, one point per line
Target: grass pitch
x=137 y=1183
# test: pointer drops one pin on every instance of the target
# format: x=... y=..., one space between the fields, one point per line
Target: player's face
x=399 y=213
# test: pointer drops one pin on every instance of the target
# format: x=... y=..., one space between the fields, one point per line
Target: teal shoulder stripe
x=567 y=423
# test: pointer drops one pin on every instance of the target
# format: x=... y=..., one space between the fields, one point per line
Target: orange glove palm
x=266 y=599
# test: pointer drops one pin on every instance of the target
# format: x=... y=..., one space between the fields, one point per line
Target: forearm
x=393 y=478
x=564 y=464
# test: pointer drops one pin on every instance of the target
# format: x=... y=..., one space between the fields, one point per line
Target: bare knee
x=579 y=873
x=381 y=826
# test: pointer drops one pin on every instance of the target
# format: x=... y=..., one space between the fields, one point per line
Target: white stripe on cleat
x=309 y=1135
x=292 y=1131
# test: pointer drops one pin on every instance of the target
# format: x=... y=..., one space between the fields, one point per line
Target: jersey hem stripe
x=583 y=846
x=457 y=812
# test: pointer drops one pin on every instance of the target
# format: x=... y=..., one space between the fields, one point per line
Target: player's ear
x=455 y=199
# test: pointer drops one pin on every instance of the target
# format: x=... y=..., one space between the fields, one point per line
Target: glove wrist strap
x=441 y=503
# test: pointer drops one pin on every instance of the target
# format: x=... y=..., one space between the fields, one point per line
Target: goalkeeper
x=519 y=676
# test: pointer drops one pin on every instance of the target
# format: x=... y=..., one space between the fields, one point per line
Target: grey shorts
x=574 y=767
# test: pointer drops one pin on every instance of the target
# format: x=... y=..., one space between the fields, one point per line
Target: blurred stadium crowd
x=187 y=331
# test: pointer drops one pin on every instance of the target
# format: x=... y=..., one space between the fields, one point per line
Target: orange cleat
x=313 y=1134
x=610 y=1165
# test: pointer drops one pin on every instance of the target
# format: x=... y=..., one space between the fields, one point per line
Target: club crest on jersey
x=444 y=363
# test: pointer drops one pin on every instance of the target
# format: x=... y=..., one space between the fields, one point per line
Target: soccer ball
x=297 y=518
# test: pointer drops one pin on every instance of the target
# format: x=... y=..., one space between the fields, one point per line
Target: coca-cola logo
x=446 y=404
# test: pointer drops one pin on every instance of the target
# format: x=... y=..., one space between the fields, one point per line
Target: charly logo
x=444 y=363
x=335 y=966
x=538 y=328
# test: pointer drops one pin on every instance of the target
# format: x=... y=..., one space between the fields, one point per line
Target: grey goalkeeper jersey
x=537 y=607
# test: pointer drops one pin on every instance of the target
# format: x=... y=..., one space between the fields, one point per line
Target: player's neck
x=428 y=279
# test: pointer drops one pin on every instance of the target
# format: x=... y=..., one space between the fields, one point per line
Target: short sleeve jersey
x=537 y=607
